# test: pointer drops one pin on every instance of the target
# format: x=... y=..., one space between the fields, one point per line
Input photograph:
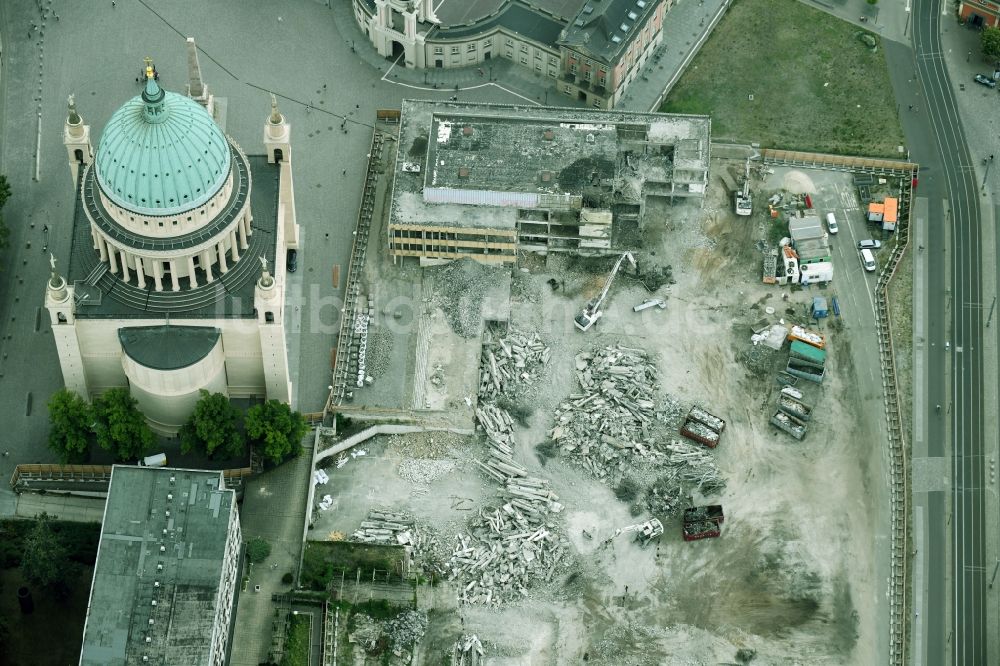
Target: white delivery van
x=831 y=223
x=158 y=460
x=867 y=259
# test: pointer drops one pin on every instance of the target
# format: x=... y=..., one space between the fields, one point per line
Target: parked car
x=831 y=223
x=869 y=244
x=292 y=260
x=867 y=260
x=986 y=81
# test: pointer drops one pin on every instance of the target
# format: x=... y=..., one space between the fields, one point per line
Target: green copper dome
x=161 y=153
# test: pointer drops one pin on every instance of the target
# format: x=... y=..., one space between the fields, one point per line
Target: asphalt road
x=959 y=269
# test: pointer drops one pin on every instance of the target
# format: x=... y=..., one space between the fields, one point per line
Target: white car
x=831 y=223
x=867 y=260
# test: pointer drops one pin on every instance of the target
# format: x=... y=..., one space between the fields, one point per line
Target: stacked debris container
x=703 y=427
x=703 y=522
x=792 y=415
x=807 y=358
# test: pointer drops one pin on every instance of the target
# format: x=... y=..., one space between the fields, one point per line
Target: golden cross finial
x=149 y=67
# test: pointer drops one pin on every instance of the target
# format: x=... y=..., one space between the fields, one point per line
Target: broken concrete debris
x=510 y=362
x=424 y=470
x=517 y=543
x=467 y=651
x=385 y=527
x=616 y=410
x=406 y=629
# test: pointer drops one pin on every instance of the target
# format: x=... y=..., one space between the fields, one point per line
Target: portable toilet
x=820 y=308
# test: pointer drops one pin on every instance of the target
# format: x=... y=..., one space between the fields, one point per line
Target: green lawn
x=297 y=643
x=815 y=85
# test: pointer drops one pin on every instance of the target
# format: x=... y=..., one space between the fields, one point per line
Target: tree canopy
x=213 y=428
x=274 y=425
x=258 y=550
x=120 y=426
x=990 y=41
x=71 y=418
x=45 y=562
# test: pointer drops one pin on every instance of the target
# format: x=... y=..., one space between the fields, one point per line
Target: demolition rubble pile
x=685 y=467
x=386 y=528
x=424 y=470
x=616 y=418
x=406 y=629
x=616 y=412
x=459 y=288
x=511 y=546
x=512 y=361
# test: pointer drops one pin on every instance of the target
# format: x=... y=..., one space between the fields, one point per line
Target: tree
x=990 y=41
x=120 y=426
x=71 y=419
x=45 y=562
x=213 y=428
x=278 y=428
x=258 y=550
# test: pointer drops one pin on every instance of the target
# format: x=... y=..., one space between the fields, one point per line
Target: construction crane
x=592 y=312
x=645 y=532
x=744 y=202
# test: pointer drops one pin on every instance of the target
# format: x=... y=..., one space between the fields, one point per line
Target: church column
x=124 y=258
x=140 y=273
x=206 y=264
x=102 y=247
x=234 y=248
x=191 y=273
x=158 y=274
x=173 y=275
x=223 y=268
x=244 y=223
x=112 y=258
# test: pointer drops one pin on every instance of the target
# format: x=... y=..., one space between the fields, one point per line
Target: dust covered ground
x=792 y=578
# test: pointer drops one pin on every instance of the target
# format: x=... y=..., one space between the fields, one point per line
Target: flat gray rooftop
x=501 y=157
x=137 y=537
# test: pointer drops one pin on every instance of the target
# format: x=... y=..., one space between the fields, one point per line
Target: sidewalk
x=274 y=508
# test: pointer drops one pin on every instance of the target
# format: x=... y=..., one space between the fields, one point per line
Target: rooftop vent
x=467 y=131
x=632 y=16
x=145 y=657
x=548 y=135
x=170 y=496
x=156 y=583
x=546 y=176
x=164 y=531
x=149 y=639
x=159 y=566
x=154 y=602
x=624 y=27
x=463 y=172
x=150 y=621
x=172 y=480
x=589 y=9
x=578 y=23
x=167 y=512
x=616 y=39
x=590 y=138
x=163 y=549
x=641 y=3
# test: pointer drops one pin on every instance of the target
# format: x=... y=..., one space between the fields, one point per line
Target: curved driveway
x=964 y=358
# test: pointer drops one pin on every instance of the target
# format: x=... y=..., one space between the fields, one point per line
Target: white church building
x=176 y=276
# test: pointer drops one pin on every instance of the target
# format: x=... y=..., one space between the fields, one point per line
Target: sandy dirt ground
x=791 y=580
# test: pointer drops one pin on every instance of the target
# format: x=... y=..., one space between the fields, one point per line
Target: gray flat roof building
x=484 y=180
x=166 y=570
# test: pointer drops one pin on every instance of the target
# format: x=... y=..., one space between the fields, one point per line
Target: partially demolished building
x=485 y=181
